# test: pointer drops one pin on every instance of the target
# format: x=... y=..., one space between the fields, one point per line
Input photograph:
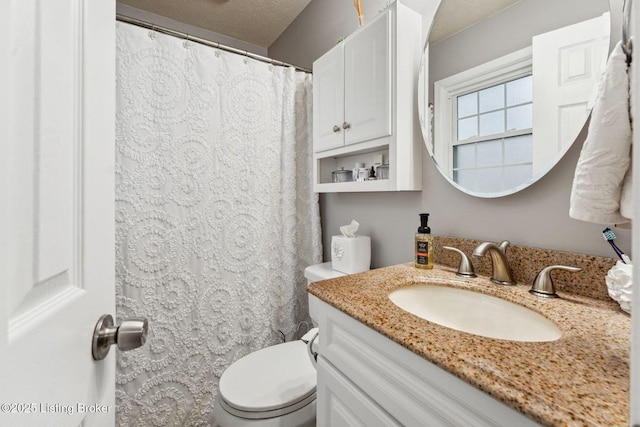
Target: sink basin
x=475 y=313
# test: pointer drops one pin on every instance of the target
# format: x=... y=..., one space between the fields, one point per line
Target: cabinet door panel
x=341 y=404
x=328 y=100
x=367 y=82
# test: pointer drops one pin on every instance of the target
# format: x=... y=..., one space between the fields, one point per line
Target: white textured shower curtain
x=216 y=217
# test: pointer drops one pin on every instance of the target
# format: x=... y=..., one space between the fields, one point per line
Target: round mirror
x=505 y=97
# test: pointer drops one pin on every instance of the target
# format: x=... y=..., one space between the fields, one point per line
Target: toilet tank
x=323 y=271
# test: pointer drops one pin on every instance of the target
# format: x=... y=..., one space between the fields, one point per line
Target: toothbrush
x=609 y=237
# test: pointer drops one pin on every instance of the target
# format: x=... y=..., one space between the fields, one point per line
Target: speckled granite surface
x=526 y=262
x=582 y=379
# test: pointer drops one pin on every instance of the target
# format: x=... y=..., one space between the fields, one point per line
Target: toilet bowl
x=275 y=386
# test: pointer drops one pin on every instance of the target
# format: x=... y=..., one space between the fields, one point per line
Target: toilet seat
x=268 y=383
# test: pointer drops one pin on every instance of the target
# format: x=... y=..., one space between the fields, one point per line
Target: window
x=493 y=148
x=484 y=124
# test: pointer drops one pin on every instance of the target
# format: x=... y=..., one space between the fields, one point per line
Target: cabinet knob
x=346 y=125
x=336 y=128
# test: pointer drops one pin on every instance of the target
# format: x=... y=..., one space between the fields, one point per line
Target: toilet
x=275 y=386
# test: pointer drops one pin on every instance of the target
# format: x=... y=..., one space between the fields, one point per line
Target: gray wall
x=537 y=216
x=323 y=22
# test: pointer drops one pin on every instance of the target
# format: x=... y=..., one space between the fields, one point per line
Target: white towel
x=626 y=199
x=606 y=154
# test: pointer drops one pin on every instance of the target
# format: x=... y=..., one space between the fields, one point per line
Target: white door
x=367 y=82
x=567 y=65
x=328 y=100
x=57 y=104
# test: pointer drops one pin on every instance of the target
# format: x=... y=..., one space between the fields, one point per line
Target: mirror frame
x=426 y=121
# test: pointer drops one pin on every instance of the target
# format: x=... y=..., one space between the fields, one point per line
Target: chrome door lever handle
x=130 y=334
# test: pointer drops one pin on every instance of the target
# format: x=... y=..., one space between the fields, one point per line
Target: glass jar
x=382 y=172
x=342 y=175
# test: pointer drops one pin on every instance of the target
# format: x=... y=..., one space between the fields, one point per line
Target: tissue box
x=350 y=254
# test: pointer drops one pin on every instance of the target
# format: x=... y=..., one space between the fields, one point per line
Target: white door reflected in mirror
x=500 y=126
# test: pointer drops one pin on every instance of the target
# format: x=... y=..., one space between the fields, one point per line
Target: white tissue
x=351 y=229
x=620 y=283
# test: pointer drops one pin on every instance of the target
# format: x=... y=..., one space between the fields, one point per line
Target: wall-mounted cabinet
x=364 y=106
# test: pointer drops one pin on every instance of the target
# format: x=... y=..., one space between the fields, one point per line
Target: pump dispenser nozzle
x=424 y=228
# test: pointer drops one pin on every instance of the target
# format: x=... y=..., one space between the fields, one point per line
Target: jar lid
x=342 y=171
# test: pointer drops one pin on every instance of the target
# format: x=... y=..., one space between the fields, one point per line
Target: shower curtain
x=216 y=217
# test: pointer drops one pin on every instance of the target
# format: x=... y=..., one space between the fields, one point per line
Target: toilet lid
x=269 y=379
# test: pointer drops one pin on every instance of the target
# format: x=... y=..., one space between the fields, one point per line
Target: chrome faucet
x=501 y=273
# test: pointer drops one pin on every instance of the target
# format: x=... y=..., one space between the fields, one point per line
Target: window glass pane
x=520 y=91
x=464 y=156
x=516 y=175
x=518 y=149
x=465 y=178
x=489 y=153
x=467 y=128
x=490 y=179
x=468 y=104
x=492 y=98
x=520 y=117
x=491 y=123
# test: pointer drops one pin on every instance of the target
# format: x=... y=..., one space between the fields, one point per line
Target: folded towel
x=606 y=154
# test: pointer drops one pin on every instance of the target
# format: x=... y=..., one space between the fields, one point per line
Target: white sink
x=475 y=313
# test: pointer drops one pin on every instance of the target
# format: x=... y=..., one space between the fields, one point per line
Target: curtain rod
x=205 y=42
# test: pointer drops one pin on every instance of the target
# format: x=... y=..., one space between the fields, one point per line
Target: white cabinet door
x=57 y=103
x=342 y=404
x=328 y=100
x=367 y=82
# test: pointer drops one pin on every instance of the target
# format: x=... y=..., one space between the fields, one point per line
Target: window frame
x=498 y=71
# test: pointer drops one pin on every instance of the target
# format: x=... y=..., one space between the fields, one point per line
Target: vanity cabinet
x=363 y=104
x=363 y=374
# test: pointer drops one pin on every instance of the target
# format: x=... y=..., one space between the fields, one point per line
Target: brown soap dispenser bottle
x=424 y=244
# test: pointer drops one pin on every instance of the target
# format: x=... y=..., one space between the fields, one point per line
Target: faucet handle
x=465 y=269
x=543 y=284
x=504 y=245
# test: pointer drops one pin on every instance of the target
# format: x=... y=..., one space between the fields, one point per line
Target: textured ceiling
x=455 y=15
x=258 y=22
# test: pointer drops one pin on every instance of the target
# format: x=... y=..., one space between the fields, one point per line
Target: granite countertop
x=582 y=379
